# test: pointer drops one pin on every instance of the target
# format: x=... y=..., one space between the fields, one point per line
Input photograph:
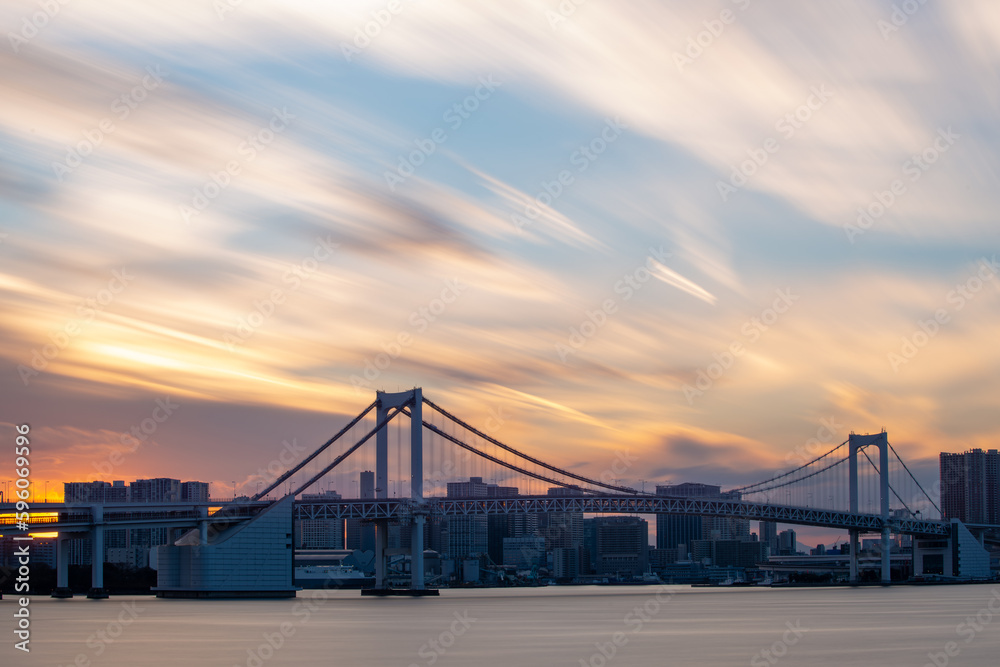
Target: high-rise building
x=970 y=486
x=194 y=491
x=499 y=526
x=621 y=545
x=477 y=535
x=566 y=563
x=769 y=535
x=787 y=544
x=524 y=553
x=129 y=546
x=362 y=535
x=672 y=530
x=467 y=535
x=730 y=553
x=726 y=527
x=157 y=490
x=562 y=530
x=95 y=492
x=319 y=533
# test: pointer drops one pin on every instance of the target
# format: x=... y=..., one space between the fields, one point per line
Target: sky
x=710 y=234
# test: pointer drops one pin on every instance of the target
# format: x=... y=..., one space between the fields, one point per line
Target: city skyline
x=499 y=332
x=581 y=243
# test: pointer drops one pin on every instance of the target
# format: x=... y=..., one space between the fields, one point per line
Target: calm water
x=540 y=626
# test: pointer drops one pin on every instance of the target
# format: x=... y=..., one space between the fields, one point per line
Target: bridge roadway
x=75 y=517
x=398 y=508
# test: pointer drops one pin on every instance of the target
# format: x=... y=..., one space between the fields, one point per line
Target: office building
x=621 y=545
x=478 y=535
x=524 y=553
x=129 y=547
x=194 y=491
x=769 y=535
x=319 y=533
x=362 y=535
x=970 y=486
x=787 y=544
x=679 y=531
x=95 y=492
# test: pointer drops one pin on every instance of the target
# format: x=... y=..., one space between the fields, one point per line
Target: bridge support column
x=854 y=557
x=62 y=568
x=97 y=591
x=855 y=443
x=883 y=478
x=417 y=553
x=886 y=562
x=417 y=490
x=381 y=544
x=203 y=526
x=385 y=402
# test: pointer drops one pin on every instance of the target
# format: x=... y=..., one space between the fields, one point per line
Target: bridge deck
x=79 y=517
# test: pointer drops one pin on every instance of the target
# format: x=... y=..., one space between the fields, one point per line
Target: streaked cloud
x=291 y=243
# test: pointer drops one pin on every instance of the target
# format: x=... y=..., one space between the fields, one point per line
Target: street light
x=46 y=498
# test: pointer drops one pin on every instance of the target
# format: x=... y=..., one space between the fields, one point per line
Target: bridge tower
x=856 y=443
x=384 y=402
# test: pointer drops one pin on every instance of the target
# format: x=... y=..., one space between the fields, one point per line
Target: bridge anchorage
x=245 y=548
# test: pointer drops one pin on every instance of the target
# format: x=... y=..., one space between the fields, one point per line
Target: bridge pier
x=417 y=553
x=855 y=443
x=854 y=557
x=203 y=526
x=385 y=402
x=97 y=591
x=886 y=568
x=417 y=490
x=62 y=568
x=381 y=544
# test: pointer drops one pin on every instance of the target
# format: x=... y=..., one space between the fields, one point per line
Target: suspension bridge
x=228 y=548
